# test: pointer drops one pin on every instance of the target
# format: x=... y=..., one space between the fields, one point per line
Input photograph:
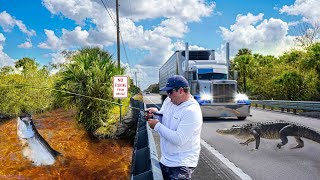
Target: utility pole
x=135 y=76
x=118 y=33
x=118 y=50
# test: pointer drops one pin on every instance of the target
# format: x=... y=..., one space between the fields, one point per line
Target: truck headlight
x=206 y=97
x=203 y=99
x=241 y=99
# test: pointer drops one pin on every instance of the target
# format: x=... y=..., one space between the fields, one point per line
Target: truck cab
x=209 y=83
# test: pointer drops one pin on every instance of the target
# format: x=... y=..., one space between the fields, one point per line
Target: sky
x=151 y=30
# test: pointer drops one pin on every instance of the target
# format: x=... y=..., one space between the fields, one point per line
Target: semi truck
x=209 y=82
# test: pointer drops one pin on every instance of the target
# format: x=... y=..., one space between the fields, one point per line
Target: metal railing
x=294 y=106
x=145 y=162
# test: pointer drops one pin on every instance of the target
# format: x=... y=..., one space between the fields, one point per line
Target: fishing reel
x=149 y=115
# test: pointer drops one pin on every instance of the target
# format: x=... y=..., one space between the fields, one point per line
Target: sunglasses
x=169 y=92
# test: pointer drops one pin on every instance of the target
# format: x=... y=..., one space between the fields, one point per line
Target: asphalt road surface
x=268 y=162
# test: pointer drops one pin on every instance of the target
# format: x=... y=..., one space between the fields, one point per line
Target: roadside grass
x=138 y=97
x=110 y=127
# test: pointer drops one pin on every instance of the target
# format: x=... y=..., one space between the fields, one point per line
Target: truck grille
x=223 y=93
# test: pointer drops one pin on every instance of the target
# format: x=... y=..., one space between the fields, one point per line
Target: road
x=268 y=162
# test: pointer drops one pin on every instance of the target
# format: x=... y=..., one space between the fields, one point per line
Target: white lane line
x=151 y=101
x=226 y=161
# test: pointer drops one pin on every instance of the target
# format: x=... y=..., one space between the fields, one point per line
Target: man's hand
x=152 y=123
x=150 y=112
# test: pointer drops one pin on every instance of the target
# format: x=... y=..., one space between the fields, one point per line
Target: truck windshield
x=210 y=76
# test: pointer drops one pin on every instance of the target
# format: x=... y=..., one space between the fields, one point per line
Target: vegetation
x=109 y=129
x=153 y=88
x=15 y=97
x=27 y=87
x=132 y=88
x=89 y=73
x=295 y=75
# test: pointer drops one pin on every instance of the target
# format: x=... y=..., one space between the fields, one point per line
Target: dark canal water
x=82 y=157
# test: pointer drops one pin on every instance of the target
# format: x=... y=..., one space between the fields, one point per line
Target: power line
x=110 y=13
x=105 y=4
x=130 y=9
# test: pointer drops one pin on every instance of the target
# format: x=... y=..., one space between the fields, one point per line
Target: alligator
x=272 y=130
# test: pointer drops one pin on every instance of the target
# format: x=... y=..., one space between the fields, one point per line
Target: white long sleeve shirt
x=180 y=130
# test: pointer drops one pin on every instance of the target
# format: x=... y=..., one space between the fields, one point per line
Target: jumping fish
x=36 y=148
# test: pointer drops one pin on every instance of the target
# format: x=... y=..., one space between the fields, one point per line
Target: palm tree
x=89 y=73
x=242 y=64
x=244 y=51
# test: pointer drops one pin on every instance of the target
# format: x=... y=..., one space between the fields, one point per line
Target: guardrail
x=294 y=106
x=145 y=162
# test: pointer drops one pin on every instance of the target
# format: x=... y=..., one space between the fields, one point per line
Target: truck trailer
x=209 y=82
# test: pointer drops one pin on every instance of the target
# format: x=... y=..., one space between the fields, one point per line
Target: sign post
x=120 y=89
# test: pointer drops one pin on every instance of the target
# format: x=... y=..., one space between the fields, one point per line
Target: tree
x=24 y=92
x=291 y=85
x=89 y=73
x=259 y=83
x=27 y=64
x=307 y=34
x=313 y=58
x=242 y=64
x=154 y=88
x=6 y=70
x=133 y=89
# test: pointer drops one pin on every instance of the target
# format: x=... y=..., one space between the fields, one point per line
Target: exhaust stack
x=227 y=59
x=187 y=61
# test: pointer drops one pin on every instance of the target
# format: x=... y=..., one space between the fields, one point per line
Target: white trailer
x=209 y=83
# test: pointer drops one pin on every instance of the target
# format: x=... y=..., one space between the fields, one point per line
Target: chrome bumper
x=225 y=110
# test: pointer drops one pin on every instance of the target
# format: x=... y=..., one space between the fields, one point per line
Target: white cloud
x=145 y=75
x=26 y=45
x=180 y=45
x=171 y=28
x=5 y=60
x=7 y=22
x=147 y=72
x=293 y=23
x=75 y=38
x=269 y=37
x=2 y=38
x=53 y=42
x=57 y=58
x=175 y=14
x=309 y=9
x=157 y=42
x=79 y=10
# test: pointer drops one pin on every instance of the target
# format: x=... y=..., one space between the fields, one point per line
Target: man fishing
x=179 y=130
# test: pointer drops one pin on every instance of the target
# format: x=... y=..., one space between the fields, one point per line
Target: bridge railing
x=145 y=162
x=289 y=106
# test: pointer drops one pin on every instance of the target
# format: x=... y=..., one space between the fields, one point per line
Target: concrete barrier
x=145 y=161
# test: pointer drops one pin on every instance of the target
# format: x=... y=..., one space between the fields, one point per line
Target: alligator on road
x=272 y=130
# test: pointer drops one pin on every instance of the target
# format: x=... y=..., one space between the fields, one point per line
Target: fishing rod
x=68 y=92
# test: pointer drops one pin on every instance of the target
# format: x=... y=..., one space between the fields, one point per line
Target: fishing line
x=68 y=92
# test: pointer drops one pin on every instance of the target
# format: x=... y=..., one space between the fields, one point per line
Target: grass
x=138 y=97
x=110 y=128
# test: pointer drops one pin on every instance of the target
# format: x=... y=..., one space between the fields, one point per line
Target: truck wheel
x=242 y=118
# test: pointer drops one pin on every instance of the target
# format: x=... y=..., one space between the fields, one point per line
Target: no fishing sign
x=120 y=86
